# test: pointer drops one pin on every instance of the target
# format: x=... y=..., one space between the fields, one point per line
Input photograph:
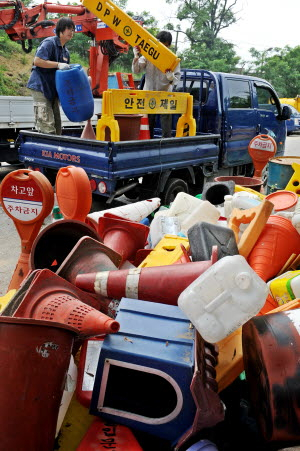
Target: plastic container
x=35 y=357
x=223 y=298
x=277 y=242
x=286 y=287
x=161 y=226
x=75 y=93
x=183 y=205
x=129 y=127
x=203 y=236
x=227 y=205
x=283 y=200
x=204 y=212
x=271 y=351
x=244 y=200
x=215 y=192
x=247 y=182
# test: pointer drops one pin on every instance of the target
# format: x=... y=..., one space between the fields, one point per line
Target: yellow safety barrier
x=120 y=101
x=133 y=33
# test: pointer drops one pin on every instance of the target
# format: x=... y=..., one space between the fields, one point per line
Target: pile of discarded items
x=149 y=327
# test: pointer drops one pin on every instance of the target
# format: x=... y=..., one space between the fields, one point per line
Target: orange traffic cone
x=277 y=242
x=144 y=127
x=123 y=236
x=52 y=298
x=154 y=283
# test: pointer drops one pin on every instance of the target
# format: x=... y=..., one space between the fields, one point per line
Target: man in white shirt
x=155 y=80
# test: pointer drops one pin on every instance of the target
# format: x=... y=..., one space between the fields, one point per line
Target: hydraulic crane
x=23 y=24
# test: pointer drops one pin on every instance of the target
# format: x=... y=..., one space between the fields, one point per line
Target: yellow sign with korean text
x=123 y=101
x=133 y=33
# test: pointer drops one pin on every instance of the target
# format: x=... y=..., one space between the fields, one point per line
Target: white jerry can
x=223 y=298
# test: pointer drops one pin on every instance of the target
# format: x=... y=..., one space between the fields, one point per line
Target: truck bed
x=112 y=161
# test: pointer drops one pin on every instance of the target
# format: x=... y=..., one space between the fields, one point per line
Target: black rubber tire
x=172 y=188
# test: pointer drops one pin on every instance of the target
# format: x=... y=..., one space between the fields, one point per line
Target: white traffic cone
x=133 y=212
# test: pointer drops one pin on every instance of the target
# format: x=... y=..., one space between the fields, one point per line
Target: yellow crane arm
x=133 y=33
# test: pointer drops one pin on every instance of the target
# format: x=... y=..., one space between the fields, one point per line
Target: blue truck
x=229 y=109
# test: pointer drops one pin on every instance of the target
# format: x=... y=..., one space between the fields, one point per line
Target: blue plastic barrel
x=279 y=172
x=75 y=93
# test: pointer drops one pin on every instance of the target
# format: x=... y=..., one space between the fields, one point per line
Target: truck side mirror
x=286 y=113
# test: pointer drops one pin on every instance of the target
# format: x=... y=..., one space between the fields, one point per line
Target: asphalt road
x=10 y=241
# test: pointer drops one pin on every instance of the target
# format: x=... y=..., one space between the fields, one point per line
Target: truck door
x=240 y=119
x=268 y=113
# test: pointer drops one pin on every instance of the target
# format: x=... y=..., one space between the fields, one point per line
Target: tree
x=279 y=66
x=222 y=58
x=206 y=19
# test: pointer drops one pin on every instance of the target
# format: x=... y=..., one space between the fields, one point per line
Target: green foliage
x=8 y=87
x=220 y=58
x=206 y=19
x=80 y=45
x=6 y=45
x=281 y=67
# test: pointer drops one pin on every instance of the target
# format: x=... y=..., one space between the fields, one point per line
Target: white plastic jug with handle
x=223 y=298
x=161 y=226
x=205 y=211
x=183 y=205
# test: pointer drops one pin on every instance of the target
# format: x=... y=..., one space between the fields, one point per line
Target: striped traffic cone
x=162 y=284
x=144 y=127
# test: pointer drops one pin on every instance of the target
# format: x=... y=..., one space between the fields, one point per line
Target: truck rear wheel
x=172 y=188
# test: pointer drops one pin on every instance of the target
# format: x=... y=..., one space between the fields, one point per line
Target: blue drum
x=75 y=93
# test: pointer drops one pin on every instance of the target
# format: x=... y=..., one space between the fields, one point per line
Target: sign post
x=261 y=149
x=27 y=198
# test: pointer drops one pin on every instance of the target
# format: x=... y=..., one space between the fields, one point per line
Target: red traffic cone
x=123 y=236
x=154 y=283
x=52 y=298
x=144 y=127
x=86 y=256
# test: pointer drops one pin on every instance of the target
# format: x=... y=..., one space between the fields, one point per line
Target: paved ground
x=10 y=241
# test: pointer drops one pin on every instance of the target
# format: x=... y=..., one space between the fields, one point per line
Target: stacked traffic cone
x=277 y=242
x=133 y=212
x=144 y=127
x=124 y=237
x=155 y=283
x=86 y=256
x=51 y=298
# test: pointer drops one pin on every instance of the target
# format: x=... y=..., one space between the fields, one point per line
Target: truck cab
x=238 y=107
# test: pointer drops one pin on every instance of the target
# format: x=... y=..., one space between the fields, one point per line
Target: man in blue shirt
x=50 y=56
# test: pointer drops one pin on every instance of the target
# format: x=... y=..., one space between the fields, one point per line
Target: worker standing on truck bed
x=155 y=80
x=50 y=56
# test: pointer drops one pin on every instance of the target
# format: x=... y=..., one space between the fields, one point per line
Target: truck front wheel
x=172 y=188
